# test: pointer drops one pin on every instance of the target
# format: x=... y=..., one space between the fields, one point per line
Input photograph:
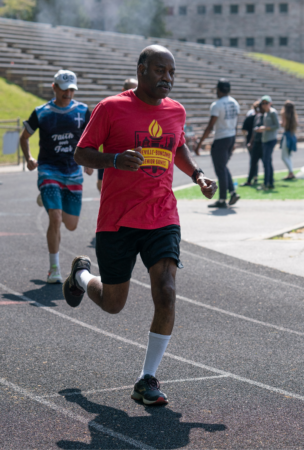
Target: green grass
x=286 y=65
x=14 y=103
x=284 y=190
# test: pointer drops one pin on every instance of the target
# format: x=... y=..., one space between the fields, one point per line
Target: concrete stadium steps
x=31 y=53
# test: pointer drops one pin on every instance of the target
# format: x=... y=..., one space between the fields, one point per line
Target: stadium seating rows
x=30 y=54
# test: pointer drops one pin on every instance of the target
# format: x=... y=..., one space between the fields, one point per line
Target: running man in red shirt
x=142 y=136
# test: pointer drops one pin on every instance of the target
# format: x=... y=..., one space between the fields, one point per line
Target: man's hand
x=130 y=160
x=88 y=170
x=260 y=129
x=208 y=187
x=32 y=164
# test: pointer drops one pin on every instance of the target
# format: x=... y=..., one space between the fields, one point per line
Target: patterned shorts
x=60 y=191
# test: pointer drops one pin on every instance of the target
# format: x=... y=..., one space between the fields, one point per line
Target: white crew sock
x=157 y=345
x=54 y=259
x=83 y=277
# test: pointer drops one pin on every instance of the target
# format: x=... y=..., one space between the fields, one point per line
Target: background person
x=224 y=115
x=61 y=122
x=256 y=148
x=247 y=130
x=129 y=83
x=269 y=131
x=289 y=121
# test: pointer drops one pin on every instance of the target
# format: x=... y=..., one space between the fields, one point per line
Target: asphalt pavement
x=233 y=370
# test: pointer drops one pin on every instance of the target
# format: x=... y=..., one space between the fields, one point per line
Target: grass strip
x=284 y=190
x=286 y=65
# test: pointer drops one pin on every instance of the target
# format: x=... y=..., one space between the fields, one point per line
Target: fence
x=10 y=152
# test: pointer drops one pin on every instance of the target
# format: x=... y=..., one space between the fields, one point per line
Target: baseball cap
x=66 y=80
x=266 y=98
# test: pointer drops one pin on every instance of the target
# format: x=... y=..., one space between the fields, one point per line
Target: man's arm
x=186 y=164
x=25 y=147
x=207 y=131
x=129 y=160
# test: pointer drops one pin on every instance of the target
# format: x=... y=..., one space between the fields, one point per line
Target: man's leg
x=162 y=276
x=53 y=231
x=219 y=162
x=53 y=241
x=70 y=221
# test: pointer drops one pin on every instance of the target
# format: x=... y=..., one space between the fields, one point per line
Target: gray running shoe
x=72 y=292
x=39 y=200
x=148 y=390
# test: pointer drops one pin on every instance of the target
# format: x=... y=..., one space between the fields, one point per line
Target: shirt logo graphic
x=78 y=119
x=157 y=149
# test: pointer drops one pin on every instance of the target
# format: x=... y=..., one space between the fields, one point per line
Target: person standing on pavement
x=269 y=131
x=142 y=133
x=247 y=130
x=289 y=121
x=256 y=148
x=61 y=122
x=129 y=83
x=224 y=115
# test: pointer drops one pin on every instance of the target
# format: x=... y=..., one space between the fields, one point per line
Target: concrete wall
x=258 y=25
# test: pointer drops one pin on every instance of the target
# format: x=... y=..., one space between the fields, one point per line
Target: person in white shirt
x=224 y=115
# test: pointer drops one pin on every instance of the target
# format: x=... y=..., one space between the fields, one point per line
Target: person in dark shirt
x=255 y=148
x=247 y=129
x=61 y=123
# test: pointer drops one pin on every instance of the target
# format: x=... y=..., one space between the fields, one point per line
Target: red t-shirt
x=142 y=199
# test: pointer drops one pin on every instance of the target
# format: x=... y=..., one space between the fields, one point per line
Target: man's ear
x=141 y=70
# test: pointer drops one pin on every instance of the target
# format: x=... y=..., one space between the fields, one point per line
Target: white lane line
x=168 y=355
x=122 y=388
x=214 y=308
x=74 y=416
x=242 y=270
x=228 y=313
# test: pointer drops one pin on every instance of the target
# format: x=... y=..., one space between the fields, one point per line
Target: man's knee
x=55 y=217
x=71 y=226
x=165 y=294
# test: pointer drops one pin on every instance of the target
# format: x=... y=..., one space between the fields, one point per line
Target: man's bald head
x=155 y=74
x=129 y=83
x=152 y=51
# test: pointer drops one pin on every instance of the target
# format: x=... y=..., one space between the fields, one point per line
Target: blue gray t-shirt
x=59 y=131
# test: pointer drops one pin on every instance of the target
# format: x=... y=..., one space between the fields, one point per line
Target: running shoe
x=72 y=292
x=245 y=184
x=218 y=204
x=233 y=199
x=39 y=200
x=54 y=275
x=148 y=390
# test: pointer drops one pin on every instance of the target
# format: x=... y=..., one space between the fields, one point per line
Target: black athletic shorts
x=116 y=251
x=100 y=174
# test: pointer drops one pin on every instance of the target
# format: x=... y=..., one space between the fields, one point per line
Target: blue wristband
x=114 y=162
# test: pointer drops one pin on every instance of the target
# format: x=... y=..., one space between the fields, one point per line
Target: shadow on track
x=162 y=429
x=46 y=295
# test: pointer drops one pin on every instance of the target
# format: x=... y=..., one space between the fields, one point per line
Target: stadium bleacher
x=31 y=53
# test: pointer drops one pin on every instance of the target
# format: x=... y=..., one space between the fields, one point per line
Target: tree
x=18 y=9
x=143 y=17
x=63 y=12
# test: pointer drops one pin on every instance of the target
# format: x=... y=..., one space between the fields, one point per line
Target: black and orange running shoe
x=72 y=292
x=148 y=390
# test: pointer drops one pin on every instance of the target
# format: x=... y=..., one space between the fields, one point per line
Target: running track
x=233 y=371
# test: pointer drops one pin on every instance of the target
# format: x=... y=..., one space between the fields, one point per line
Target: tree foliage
x=18 y=9
x=143 y=17
x=63 y=12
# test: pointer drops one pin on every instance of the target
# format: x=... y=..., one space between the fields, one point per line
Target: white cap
x=66 y=80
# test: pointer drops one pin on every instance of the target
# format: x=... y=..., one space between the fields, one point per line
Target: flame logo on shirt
x=155 y=129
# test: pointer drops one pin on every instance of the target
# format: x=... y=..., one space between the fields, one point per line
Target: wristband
x=114 y=162
x=195 y=174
